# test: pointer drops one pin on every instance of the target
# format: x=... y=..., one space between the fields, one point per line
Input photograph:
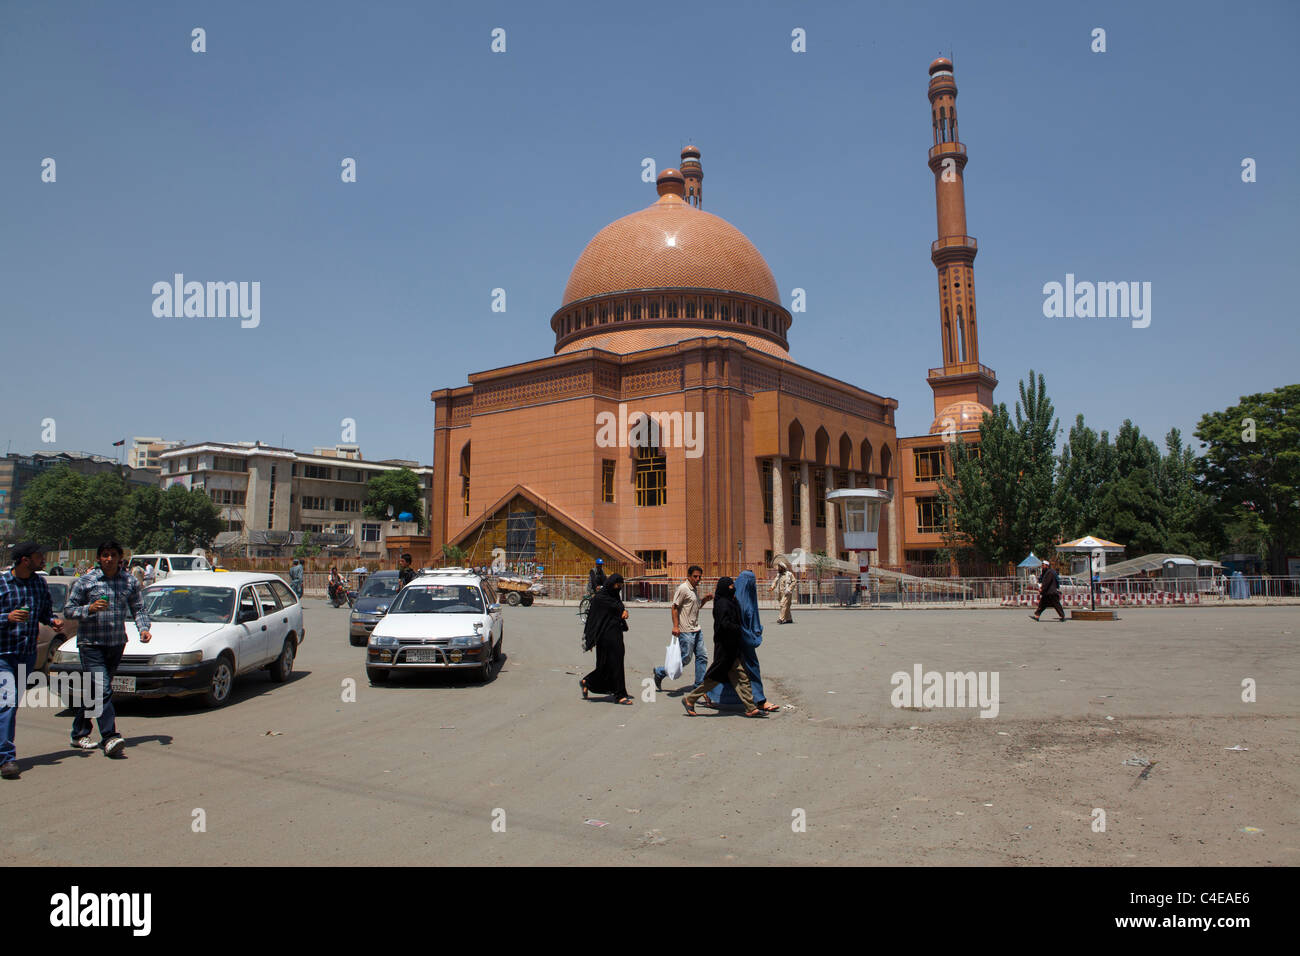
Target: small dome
x=671 y=181
x=959 y=416
x=943 y=63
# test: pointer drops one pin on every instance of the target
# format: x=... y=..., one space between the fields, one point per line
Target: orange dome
x=961 y=416
x=943 y=63
x=670 y=245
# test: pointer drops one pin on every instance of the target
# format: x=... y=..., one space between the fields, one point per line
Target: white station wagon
x=208 y=627
x=447 y=619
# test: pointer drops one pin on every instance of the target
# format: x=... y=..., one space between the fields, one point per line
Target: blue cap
x=600 y=560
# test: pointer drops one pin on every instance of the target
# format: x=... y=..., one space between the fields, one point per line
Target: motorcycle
x=340 y=593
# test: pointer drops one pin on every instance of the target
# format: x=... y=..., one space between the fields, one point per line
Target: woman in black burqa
x=728 y=666
x=606 y=622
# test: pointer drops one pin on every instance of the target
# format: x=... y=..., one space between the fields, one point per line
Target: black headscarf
x=605 y=614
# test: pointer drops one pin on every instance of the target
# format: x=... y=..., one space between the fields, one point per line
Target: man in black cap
x=24 y=606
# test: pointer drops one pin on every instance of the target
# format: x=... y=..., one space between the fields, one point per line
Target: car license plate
x=423 y=655
x=124 y=685
x=455 y=657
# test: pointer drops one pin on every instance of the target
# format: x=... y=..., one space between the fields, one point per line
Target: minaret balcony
x=953 y=242
x=950 y=148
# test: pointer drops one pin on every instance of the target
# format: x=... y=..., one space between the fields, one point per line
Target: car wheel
x=527 y=600
x=377 y=676
x=512 y=598
x=282 y=669
x=223 y=680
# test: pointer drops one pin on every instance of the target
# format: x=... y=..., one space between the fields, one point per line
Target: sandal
x=582 y=682
x=756 y=712
x=768 y=707
x=624 y=700
x=690 y=711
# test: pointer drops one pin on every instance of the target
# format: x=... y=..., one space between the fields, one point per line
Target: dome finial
x=671 y=181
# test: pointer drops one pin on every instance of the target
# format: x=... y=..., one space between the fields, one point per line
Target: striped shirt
x=106 y=628
x=32 y=593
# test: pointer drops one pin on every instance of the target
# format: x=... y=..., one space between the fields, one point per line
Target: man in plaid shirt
x=101 y=600
x=24 y=606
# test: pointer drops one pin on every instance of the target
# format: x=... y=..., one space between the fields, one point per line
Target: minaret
x=694 y=174
x=961 y=378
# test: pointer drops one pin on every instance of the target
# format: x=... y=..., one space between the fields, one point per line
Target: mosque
x=671 y=426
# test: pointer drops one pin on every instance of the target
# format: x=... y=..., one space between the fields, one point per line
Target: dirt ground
x=435 y=769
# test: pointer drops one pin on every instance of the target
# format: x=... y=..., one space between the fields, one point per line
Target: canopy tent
x=1088 y=545
x=1033 y=561
x=1147 y=563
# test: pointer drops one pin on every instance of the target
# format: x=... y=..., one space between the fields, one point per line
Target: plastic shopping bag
x=673 y=659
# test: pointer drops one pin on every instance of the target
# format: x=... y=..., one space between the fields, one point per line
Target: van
x=165 y=564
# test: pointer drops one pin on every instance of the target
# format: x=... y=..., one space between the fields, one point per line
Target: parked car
x=208 y=628
x=371 y=602
x=50 y=640
x=166 y=564
x=447 y=620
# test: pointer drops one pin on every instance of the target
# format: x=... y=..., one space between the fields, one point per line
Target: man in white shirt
x=686 y=625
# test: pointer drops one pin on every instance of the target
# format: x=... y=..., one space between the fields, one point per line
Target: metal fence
x=957 y=592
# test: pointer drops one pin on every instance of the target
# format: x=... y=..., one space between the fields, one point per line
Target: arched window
x=961 y=337
x=708 y=310
x=654 y=309
x=943 y=124
x=723 y=313
x=690 y=308
x=671 y=309
x=636 y=311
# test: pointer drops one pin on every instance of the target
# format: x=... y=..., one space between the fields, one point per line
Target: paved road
x=416 y=772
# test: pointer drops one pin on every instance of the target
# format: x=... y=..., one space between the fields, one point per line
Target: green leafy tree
x=190 y=517
x=105 y=493
x=399 y=490
x=306 y=549
x=55 y=507
x=455 y=555
x=1087 y=465
x=999 y=499
x=137 y=519
x=1253 y=461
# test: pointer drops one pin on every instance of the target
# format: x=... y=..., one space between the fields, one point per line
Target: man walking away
x=686 y=625
x=1049 y=595
x=101 y=600
x=24 y=605
x=295 y=578
x=407 y=573
x=596 y=577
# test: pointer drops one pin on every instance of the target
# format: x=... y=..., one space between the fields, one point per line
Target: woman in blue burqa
x=724 y=695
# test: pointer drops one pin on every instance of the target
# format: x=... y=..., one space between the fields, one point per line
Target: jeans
x=104 y=661
x=691 y=642
x=10 y=695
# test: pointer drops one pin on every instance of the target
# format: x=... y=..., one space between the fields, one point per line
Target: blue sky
x=479 y=170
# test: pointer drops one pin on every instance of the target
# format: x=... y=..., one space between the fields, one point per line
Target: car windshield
x=381 y=587
x=58 y=595
x=438 y=599
x=205 y=605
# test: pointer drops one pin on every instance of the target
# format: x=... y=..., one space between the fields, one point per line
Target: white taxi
x=446 y=619
x=207 y=628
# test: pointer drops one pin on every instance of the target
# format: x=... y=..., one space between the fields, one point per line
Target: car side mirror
x=493 y=608
x=247 y=614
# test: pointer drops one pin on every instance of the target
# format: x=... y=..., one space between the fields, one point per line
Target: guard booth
x=861 y=507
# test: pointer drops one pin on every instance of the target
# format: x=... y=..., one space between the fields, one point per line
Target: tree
x=399 y=490
x=189 y=516
x=105 y=493
x=453 y=554
x=1086 y=466
x=306 y=549
x=998 y=497
x=1253 y=460
x=137 y=519
x=55 y=507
